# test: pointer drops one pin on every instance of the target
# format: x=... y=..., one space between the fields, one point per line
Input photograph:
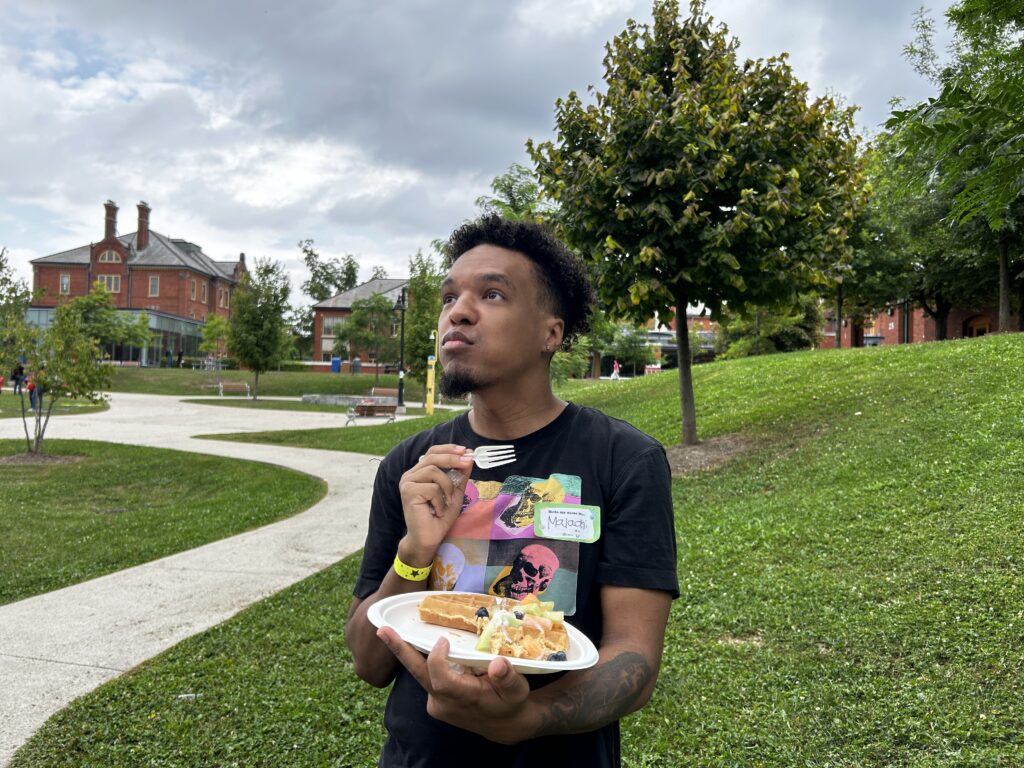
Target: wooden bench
x=381 y=402
x=233 y=387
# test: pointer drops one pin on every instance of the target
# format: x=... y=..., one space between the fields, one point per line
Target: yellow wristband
x=409 y=573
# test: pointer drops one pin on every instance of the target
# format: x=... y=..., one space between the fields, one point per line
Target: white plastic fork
x=487 y=456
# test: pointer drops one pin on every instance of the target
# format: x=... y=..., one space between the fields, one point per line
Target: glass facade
x=172 y=338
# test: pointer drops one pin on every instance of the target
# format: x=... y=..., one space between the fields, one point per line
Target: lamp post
x=839 y=312
x=428 y=403
x=400 y=306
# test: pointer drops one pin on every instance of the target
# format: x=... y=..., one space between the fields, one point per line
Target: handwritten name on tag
x=568 y=522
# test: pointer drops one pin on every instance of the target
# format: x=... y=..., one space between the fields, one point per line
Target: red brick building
x=904 y=324
x=331 y=313
x=172 y=280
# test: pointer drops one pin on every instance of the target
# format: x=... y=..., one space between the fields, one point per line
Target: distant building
x=905 y=324
x=330 y=314
x=171 y=280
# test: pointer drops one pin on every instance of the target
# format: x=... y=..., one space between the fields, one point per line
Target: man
x=512 y=297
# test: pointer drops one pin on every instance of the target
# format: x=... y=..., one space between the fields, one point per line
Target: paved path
x=61 y=645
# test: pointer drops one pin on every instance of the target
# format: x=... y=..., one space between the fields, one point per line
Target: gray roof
x=162 y=251
x=390 y=287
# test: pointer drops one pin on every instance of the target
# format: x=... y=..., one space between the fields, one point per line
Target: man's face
x=493 y=322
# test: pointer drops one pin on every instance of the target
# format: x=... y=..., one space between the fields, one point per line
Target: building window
x=331 y=323
x=110 y=257
x=154 y=285
x=111 y=282
x=202 y=296
x=227 y=298
x=192 y=293
x=65 y=283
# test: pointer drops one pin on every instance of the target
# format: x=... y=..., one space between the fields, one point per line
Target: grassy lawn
x=10 y=407
x=189 y=383
x=851 y=591
x=374 y=439
x=287 y=405
x=118 y=506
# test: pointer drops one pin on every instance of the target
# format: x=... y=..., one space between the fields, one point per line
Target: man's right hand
x=432 y=501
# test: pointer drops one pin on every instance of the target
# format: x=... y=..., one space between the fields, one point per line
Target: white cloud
x=572 y=17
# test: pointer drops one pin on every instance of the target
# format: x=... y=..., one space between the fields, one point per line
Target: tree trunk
x=256 y=386
x=942 y=310
x=1004 y=283
x=686 y=401
x=1020 y=303
x=839 y=317
x=24 y=421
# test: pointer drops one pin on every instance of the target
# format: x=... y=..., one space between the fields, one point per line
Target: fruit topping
x=557 y=656
x=482 y=613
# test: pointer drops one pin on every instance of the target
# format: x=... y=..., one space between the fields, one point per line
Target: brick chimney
x=110 y=229
x=142 y=238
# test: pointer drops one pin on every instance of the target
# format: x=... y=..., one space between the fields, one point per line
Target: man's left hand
x=492 y=704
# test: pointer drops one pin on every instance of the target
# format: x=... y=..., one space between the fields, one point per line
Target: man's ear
x=555 y=334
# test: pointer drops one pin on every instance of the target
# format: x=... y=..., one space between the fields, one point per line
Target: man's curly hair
x=565 y=287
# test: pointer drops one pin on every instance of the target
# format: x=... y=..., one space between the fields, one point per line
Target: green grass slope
x=851 y=591
x=114 y=506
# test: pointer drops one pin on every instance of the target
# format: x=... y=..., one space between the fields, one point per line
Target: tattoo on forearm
x=606 y=694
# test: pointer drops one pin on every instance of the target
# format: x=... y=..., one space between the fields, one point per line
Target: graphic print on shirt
x=492 y=547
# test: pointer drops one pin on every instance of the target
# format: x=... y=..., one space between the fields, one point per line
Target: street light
x=839 y=312
x=400 y=306
x=428 y=403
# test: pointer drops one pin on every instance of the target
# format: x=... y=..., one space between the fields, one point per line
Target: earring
x=546 y=347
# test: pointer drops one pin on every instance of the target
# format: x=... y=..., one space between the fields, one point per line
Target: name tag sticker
x=568 y=522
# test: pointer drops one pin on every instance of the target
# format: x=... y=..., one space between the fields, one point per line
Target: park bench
x=381 y=402
x=233 y=388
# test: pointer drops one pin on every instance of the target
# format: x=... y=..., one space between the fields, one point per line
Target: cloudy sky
x=370 y=126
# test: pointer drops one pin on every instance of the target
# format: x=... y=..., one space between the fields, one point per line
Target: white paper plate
x=399 y=613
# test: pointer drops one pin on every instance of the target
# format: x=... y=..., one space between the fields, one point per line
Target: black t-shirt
x=582 y=459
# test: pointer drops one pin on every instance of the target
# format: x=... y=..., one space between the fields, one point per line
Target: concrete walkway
x=61 y=645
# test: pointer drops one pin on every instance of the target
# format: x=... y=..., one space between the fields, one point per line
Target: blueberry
x=556 y=656
x=518 y=614
x=482 y=613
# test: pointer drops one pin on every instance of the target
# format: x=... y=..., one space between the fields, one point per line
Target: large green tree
x=516 y=195
x=370 y=328
x=327 y=277
x=424 y=298
x=698 y=178
x=257 y=333
x=908 y=247
x=973 y=130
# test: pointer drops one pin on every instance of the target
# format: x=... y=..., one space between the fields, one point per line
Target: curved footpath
x=61 y=645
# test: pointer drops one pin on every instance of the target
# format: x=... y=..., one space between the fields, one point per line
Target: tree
x=101 y=321
x=327 y=277
x=914 y=247
x=370 y=327
x=979 y=96
x=697 y=179
x=64 y=361
x=973 y=130
x=424 y=308
x=766 y=330
x=215 y=334
x=630 y=347
x=379 y=273
x=257 y=334
x=516 y=196
x=15 y=298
